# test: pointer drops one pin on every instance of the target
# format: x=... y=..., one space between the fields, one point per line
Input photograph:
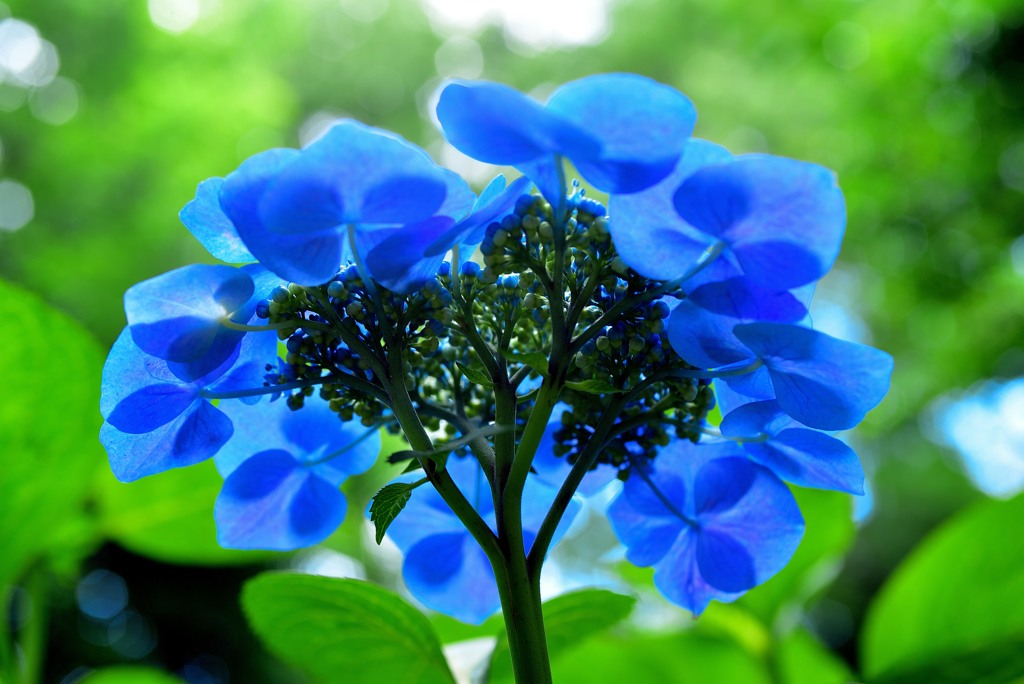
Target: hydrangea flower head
x=583 y=344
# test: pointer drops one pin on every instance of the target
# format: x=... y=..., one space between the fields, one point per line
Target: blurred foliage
x=917 y=104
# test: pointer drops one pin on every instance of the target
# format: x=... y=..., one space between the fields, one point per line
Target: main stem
x=524 y=622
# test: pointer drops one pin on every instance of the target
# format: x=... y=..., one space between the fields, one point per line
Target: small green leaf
x=568 y=620
x=594 y=386
x=344 y=630
x=475 y=376
x=387 y=504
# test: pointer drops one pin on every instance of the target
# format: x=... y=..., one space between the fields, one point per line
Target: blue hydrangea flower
x=444 y=567
x=179 y=316
x=623 y=132
x=780 y=221
x=291 y=208
x=283 y=470
x=712 y=523
x=156 y=420
x=797 y=454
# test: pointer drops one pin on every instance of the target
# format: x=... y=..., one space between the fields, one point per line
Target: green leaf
x=49 y=427
x=594 y=386
x=954 y=610
x=474 y=375
x=169 y=517
x=801 y=659
x=568 y=620
x=129 y=674
x=387 y=504
x=682 y=658
x=344 y=630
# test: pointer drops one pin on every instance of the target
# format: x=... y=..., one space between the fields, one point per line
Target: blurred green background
x=111 y=112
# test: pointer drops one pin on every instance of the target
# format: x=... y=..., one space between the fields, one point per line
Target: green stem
x=409 y=420
x=568 y=489
x=350 y=381
x=524 y=622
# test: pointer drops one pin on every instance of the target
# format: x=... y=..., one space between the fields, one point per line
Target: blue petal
x=647 y=538
x=548 y=174
x=270 y=502
x=649 y=234
x=192 y=437
x=204 y=430
x=783 y=218
x=177 y=316
x=765 y=523
x=700 y=328
x=809 y=458
x=755 y=385
x=724 y=563
x=678 y=578
x=820 y=381
x=128 y=369
x=148 y=408
x=499 y=125
x=754 y=419
x=209 y=224
x=721 y=484
x=399 y=261
x=804 y=457
x=311 y=433
x=642 y=125
x=353 y=174
x=449 y=573
x=496 y=201
x=248 y=369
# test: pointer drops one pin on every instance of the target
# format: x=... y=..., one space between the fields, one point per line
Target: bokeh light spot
x=564 y=23
x=55 y=104
x=101 y=594
x=16 y=205
x=985 y=425
x=175 y=16
x=1011 y=166
x=459 y=57
x=366 y=11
